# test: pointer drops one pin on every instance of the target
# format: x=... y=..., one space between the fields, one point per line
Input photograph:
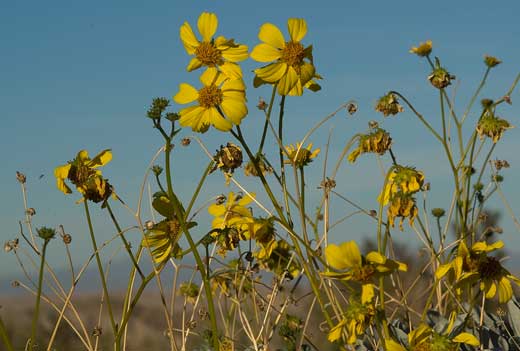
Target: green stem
x=282 y=162
x=267 y=118
x=180 y=214
x=474 y=97
x=100 y=269
x=125 y=242
x=5 y=337
x=199 y=187
x=38 y=297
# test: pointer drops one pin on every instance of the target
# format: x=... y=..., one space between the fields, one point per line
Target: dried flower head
x=492 y=126
x=251 y=170
x=352 y=108
x=403 y=206
x=300 y=156
x=440 y=78
x=491 y=61
x=378 y=141
x=21 y=177
x=262 y=104
x=46 y=233
x=389 y=105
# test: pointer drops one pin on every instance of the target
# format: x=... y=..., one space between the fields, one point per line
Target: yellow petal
x=272 y=73
x=232 y=70
x=467 y=338
x=490 y=288
x=270 y=34
x=101 y=159
x=288 y=81
x=194 y=64
x=204 y=121
x=297 y=89
x=217 y=120
x=297 y=28
x=186 y=94
x=211 y=76
x=367 y=293
x=236 y=54
x=189 y=40
x=265 y=53
x=442 y=270
x=391 y=345
x=335 y=333
x=307 y=72
x=376 y=257
x=234 y=109
x=60 y=184
x=505 y=291
x=207 y=25
x=83 y=156
x=190 y=116
x=62 y=172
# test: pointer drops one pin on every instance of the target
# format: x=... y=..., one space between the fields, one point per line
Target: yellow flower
x=402 y=179
x=293 y=68
x=218 y=94
x=276 y=257
x=162 y=240
x=378 y=141
x=425 y=338
x=473 y=265
x=219 y=52
x=300 y=156
x=424 y=49
x=83 y=173
x=362 y=269
x=355 y=321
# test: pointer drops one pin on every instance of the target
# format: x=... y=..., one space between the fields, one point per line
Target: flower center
x=489 y=267
x=293 y=53
x=210 y=96
x=364 y=273
x=208 y=54
x=79 y=174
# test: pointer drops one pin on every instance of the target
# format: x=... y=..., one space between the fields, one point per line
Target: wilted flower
x=440 y=77
x=293 y=68
x=218 y=94
x=358 y=316
x=389 y=105
x=491 y=61
x=424 y=49
x=83 y=173
x=190 y=291
x=300 y=156
x=228 y=158
x=359 y=268
x=402 y=205
x=402 y=179
x=473 y=265
x=492 y=126
x=250 y=169
x=378 y=141
x=162 y=240
x=212 y=52
x=425 y=338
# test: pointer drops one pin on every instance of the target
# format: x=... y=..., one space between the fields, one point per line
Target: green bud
x=46 y=233
x=491 y=61
x=478 y=187
x=438 y=212
x=157 y=170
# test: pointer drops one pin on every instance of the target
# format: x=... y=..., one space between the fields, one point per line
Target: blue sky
x=77 y=75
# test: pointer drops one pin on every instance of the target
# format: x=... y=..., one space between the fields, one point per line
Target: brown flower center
x=208 y=54
x=79 y=174
x=364 y=273
x=489 y=267
x=210 y=96
x=293 y=54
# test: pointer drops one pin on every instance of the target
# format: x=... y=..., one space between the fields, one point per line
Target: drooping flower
x=402 y=205
x=424 y=49
x=389 y=105
x=377 y=141
x=358 y=316
x=300 y=156
x=212 y=52
x=492 y=126
x=474 y=265
x=218 y=94
x=293 y=68
x=402 y=179
x=356 y=267
x=83 y=173
x=162 y=239
x=440 y=78
x=425 y=338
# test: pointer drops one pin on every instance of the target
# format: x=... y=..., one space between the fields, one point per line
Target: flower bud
x=46 y=233
x=438 y=212
x=21 y=177
x=491 y=61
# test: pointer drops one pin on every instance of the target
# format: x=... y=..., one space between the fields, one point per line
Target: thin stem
x=100 y=269
x=34 y=324
x=474 y=97
x=267 y=119
x=125 y=242
x=5 y=336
